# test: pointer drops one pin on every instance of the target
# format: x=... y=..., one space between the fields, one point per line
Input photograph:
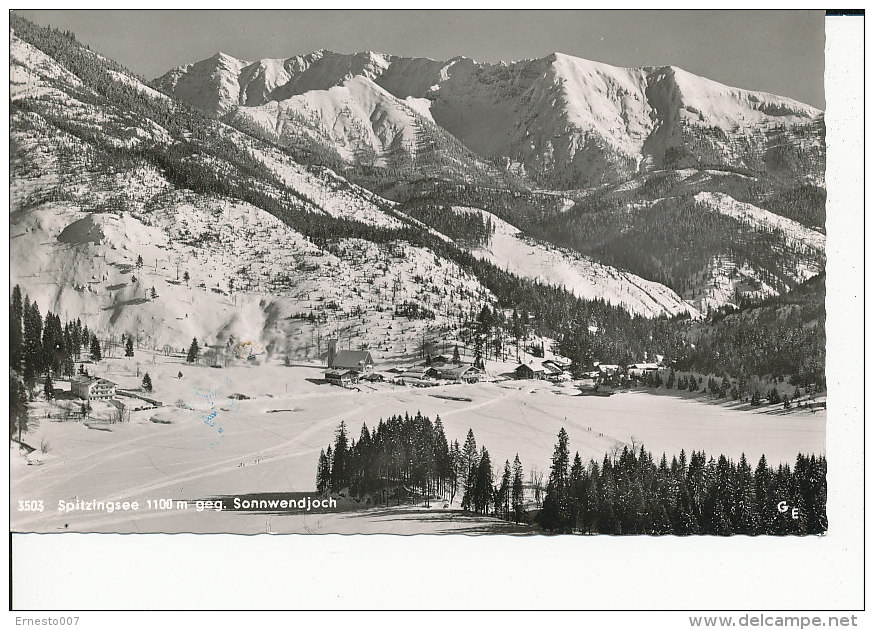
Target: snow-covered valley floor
x=270 y=442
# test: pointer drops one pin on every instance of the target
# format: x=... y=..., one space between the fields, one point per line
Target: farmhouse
x=459 y=373
x=555 y=373
x=423 y=373
x=642 y=369
x=343 y=378
x=607 y=369
x=539 y=370
x=93 y=388
x=532 y=371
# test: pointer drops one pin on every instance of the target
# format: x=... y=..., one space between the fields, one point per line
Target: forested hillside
x=82 y=124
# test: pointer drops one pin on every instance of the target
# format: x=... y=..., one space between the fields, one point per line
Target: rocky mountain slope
x=568 y=151
x=138 y=214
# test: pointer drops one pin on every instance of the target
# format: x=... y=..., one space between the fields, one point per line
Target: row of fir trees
x=631 y=493
x=409 y=456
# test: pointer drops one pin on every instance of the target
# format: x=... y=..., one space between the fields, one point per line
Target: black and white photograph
x=340 y=283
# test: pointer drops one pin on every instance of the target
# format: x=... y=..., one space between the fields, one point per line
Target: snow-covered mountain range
x=274 y=200
x=561 y=121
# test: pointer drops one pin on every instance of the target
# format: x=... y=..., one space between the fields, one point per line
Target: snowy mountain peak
x=560 y=120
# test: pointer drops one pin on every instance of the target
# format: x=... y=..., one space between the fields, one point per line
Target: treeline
x=752 y=390
x=515 y=204
x=784 y=336
x=630 y=493
x=472 y=228
x=407 y=456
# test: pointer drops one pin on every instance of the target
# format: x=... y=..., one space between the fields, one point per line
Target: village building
x=533 y=371
x=556 y=369
x=93 y=388
x=607 y=369
x=343 y=378
x=359 y=360
x=422 y=373
x=459 y=373
x=642 y=369
x=541 y=370
x=561 y=362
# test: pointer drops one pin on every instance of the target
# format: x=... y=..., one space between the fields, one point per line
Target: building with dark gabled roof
x=359 y=360
x=533 y=371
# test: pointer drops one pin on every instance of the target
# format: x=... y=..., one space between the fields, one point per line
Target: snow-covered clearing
x=270 y=443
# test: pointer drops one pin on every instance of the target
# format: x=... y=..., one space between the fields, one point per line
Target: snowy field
x=270 y=443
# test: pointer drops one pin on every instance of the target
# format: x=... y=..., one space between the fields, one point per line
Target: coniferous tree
x=129 y=346
x=95 y=349
x=456 y=469
x=502 y=504
x=744 y=516
x=323 y=473
x=49 y=388
x=443 y=460
x=147 y=382
x=556 y=507
x=518 y=489
x=32 y=342
x=483 y=483
x=193 y=351
x=470 y=460
x=577 y=492
x=339 y=478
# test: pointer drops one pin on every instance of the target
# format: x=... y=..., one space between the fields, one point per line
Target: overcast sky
x=772 y=51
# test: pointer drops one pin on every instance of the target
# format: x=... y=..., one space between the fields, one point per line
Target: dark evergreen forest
x=631 y=493
x=409 y=457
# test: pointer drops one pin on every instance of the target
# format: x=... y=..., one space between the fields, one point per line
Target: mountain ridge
x=558 y=119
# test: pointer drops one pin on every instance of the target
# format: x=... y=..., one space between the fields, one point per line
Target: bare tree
x=615 y=451
x=535 y=480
